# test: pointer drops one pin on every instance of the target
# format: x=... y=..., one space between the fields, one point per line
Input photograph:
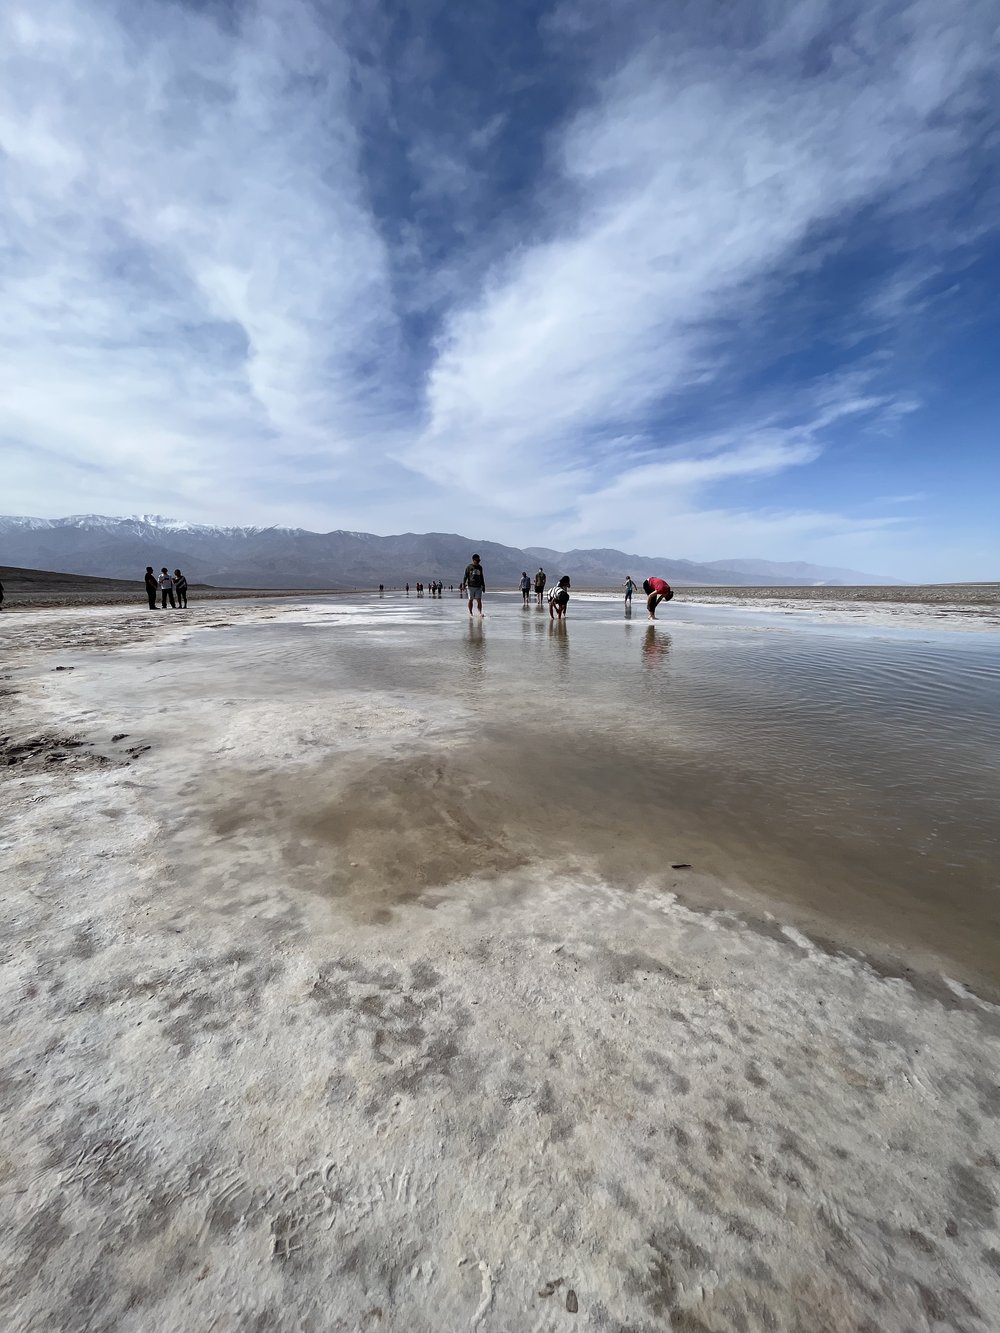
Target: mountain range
x=234 y=557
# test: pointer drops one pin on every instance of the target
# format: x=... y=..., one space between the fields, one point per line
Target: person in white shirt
x=166 y=589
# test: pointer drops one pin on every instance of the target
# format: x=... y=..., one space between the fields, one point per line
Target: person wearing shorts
x=475 y=583
x=525 y=586
x=657 y=591
x=539 y=585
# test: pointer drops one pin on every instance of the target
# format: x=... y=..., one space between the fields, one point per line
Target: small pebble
x=571 y=1301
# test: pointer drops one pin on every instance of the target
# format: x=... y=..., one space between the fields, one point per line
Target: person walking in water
x=559 y=599
x=151 y=586
x=540 y=581
x=475 y=583
x=629 y=589
x=657 y=591
x=166 y=589
x=525 y=586
x=181 y=588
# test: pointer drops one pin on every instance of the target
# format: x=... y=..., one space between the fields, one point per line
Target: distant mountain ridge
x=278 y=557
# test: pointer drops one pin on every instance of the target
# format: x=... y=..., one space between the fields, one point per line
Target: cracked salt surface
x=249 y=1084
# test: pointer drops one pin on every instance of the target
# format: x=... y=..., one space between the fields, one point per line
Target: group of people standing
x=171 y=587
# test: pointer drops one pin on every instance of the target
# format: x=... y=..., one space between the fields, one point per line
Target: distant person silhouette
x=181 y=588
x=629 y=589
x=525 y=586
x=540 y=581
x=151 y=586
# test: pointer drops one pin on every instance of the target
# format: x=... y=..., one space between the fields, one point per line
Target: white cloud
x=201 y=311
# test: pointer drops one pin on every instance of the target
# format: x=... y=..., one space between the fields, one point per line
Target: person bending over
x=559 y=598
x=475 y=583
x=657 y=591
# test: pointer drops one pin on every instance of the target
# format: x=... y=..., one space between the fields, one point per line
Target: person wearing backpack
x=475 y=583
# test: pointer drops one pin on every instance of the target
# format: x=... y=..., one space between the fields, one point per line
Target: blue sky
x=701 y=280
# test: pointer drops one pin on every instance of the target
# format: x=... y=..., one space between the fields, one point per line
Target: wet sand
x=353 y=1002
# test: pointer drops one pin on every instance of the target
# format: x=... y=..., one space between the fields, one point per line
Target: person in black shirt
x=475 y=583
x=180 y=588
x=151 y=587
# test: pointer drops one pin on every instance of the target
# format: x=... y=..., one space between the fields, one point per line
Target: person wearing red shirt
x=657 y=591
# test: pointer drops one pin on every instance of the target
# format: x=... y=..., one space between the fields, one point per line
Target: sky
x=702 y=280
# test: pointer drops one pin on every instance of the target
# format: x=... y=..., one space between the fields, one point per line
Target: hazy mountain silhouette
x=294 y=558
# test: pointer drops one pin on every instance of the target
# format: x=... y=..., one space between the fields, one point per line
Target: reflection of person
x=151 y=586
x=475 y=583
x=525 y=586
x=629 y=589
x=559 y=598
x=181 y=588
x=540 y=581
x=657 y=591
x=654 y=647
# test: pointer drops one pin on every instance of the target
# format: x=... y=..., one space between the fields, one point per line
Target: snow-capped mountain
x=295 y=558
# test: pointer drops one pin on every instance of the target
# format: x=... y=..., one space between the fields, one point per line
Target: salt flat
x=364 y=998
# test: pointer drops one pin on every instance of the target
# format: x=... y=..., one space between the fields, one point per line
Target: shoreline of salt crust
x=233 y=1104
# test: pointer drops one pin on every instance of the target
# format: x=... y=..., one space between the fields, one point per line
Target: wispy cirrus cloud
x=303 y=261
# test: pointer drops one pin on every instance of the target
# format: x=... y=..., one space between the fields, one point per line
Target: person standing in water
x=181 y=588
x=629 y=589
x=475 y=583
x=540 y=582
x=525 y=586
x=657 y=591
x=151 y=587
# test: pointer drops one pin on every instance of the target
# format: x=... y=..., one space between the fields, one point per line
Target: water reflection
x=655 y=647
x=560 y=642
x=475 y=649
